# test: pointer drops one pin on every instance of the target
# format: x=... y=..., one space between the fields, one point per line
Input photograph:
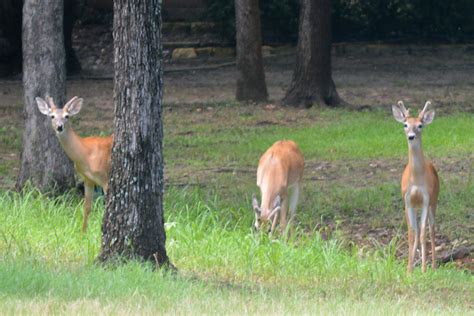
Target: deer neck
x=416 y=159
x=72 y=145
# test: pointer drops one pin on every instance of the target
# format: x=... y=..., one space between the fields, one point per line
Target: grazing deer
x=419 y=184
x=91 y=155
x=279 y=169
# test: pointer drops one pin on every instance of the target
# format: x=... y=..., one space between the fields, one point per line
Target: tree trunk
x=251 y=84
x=312 y=80
x=43 y=161
x=133 y=225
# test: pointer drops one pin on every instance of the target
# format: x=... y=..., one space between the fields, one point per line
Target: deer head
x=262 y=219
x=413 y=125
x=59 y=116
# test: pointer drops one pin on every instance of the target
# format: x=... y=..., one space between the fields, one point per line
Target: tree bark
x=43 y=161
x=251 y=84
x=133 y=225
x=312 y=80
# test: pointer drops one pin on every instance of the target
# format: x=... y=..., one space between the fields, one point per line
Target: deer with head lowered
x=91 y=155
x=279 y=176
x=419 y=184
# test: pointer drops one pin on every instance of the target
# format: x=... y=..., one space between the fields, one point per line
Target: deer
x=91 y=155
x=279 y=177
x=419 y=184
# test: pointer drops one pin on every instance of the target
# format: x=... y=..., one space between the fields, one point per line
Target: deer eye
x=66 y=116
x=405 y=125
x=420 y=126
x=52 y=116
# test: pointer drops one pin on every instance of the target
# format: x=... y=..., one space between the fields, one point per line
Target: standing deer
x=91 y=155
x=419 y=184
x=280 y=170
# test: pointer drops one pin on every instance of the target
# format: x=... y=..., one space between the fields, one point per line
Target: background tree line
x=361 y=20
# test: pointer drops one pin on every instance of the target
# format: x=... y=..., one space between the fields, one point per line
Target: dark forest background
x=363 y=20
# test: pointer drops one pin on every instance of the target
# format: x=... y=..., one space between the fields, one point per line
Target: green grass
x=333 y=135
x=47 y=266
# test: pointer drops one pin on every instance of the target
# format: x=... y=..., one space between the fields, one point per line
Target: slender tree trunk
x=133 y=225
x=312 y=80
x=43 y=161
x=251 y=84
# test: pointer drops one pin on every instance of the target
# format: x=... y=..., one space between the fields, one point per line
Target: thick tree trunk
x=251 y=84
x=43 y=161
x=312 y=80
x=133 y=224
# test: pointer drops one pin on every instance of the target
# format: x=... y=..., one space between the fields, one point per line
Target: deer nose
x=60 y=128
x=411 y=137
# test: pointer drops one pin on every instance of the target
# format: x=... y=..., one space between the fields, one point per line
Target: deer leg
x=412 y=233
x=424 y=217
x=88 y=194
x=284 y=209
x=275 y=219
x=432 y=238
x=416 y=232
x=293 y=203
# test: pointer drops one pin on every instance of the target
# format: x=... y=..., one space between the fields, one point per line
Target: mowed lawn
x=353 y=164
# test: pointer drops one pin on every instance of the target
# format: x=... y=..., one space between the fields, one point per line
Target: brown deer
x=419 y=184
x=279 y=173
x=91 y=155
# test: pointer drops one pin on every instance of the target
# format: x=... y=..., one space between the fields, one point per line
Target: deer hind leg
x=294 y=195
x=284 y=210
x=88 y=194
x=424 y=218
x=432 y=236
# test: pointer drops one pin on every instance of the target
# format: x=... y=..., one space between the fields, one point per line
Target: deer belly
x=88 y=175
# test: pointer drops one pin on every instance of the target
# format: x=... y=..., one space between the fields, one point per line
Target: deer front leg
x=275 y=220
x=432 y=238
x=412 y=233
x=424 y=217
x=88 y=194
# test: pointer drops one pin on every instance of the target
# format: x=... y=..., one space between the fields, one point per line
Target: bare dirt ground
x=367 y=76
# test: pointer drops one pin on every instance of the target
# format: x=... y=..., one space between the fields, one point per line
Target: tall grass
x=46 y=266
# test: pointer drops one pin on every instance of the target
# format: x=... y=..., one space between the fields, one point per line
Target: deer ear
x=398 y=113
x=73 y=106
x=428 y=117
x=255 y=206
x=43 y=106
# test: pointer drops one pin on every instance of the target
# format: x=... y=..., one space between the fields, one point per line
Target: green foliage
x=395 y=19
x=362 y=19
